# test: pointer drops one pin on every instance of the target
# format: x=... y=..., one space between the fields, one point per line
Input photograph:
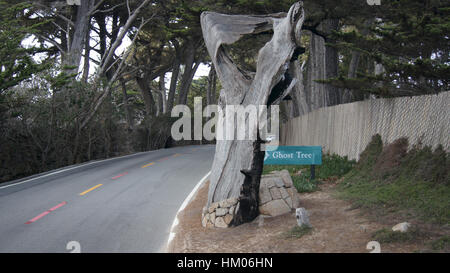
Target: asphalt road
x=126 y=204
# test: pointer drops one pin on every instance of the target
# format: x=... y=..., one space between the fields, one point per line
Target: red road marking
x=165 y=158
x=57 y=206
x=120 y=175
x=45 y=213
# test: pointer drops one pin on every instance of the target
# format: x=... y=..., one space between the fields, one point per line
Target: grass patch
x=297 y=232
x=388 y=236
x=416 y=181
x=429 y=202
x=442 y=243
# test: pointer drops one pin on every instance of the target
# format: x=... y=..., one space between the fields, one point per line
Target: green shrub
x=334 y=166
x=304 y=184
x=370 y=155
x=415 y=182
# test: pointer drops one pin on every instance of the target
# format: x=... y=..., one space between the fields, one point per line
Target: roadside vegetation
x=392 y=183
x=391 y=179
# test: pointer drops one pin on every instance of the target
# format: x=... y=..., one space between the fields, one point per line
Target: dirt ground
x=337 y=228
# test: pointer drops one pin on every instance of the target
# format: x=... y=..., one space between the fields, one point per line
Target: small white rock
x=402 y=227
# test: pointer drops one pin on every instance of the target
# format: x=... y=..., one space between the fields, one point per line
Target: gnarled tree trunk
x=237 y=166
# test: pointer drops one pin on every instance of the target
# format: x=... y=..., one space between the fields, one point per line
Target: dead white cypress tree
x=237 y=166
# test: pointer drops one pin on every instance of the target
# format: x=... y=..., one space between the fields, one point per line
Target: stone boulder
x=275 y=208
x=277 y=194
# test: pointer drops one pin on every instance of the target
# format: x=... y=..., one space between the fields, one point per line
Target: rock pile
x=220 y=214
x=277 y=196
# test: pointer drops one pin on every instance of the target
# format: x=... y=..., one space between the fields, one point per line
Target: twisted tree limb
x=237 y=166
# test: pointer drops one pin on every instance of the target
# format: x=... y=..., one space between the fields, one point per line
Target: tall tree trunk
x=322 y=64
x=349 y=95
x=146 y=92
x=128 y=116
x=211 y=89
x=331 y=62
x=189 y=71
x=81 y=26
x=237 y=165
x=186 y=82
x=162 y=94
x=87 y=52
x=316 y=71
x=173 y=85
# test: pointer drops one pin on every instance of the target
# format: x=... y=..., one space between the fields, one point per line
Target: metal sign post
x=313 y=172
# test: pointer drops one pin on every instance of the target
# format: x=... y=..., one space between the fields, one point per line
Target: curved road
x=125 y=204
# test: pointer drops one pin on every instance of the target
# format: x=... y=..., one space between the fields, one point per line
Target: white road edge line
x=183 y=206
x=76 y=167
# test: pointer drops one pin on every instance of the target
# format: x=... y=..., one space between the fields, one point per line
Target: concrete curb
x=183 y=206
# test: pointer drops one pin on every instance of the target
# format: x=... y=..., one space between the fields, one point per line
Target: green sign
x=294 y=155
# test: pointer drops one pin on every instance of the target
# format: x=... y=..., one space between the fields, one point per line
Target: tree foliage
x=17 y=63
x=115 y=100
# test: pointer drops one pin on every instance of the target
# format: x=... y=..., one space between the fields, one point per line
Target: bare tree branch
x=109 y=85
x=121 y=35
x=54 y=12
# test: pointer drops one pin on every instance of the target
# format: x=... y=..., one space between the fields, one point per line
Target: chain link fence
x=346 y=129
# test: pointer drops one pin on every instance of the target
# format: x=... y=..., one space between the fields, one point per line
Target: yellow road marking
x=148 y=165
x=176 y=155
x=91 y=189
